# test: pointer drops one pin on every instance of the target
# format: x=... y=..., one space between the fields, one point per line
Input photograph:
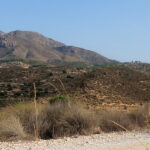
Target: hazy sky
x=118 y=29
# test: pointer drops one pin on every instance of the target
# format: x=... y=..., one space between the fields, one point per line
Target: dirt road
x=110 y=141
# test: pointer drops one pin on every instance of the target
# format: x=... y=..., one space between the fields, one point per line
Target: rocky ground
x=109 y=141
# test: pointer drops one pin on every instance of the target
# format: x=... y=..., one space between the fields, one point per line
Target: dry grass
x=54 y=120
x=107 y=126
x=60 y=119
x=36 y=114
x=129 y=120
x=11 y=127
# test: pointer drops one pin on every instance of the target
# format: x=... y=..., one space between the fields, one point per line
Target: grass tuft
x=11 y=127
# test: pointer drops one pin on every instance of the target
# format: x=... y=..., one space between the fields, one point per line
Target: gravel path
x=110 y=141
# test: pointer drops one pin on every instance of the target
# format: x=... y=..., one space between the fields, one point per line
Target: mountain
x=32 y=46
x=1 y=33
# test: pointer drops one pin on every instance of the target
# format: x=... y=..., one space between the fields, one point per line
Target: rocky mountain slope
x=33 y=46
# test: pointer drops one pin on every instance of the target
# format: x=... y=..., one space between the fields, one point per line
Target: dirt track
x=110 y=141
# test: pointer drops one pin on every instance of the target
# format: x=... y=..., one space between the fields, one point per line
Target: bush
x=9 y=87
x=50 y=74
x=63 y=120
x=55 y=120
x=64 y=71
x=58 y=99
x=3 y=94
x=17 y=94
x=70 y=77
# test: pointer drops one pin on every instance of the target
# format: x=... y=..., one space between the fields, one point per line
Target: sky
x=117 y=29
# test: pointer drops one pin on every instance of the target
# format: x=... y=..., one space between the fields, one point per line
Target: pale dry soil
x=104 y=141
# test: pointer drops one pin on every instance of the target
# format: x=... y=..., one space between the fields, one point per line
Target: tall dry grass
x=130 y=120
x=54 y=120
x=11 y=127
x=60 y=119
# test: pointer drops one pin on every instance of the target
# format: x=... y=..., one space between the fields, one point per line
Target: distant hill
x=135 y=65
x=32 y=46
x=139 y=66
x=1 y=33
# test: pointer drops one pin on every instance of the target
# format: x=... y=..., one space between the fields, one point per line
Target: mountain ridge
x=28 y=45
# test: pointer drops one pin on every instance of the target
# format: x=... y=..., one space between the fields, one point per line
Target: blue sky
x=117 y=29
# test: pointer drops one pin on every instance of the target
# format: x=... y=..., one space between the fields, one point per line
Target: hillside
x=139 y=66
x=32 y=46
x=135 y=65
x=105 y=85
x=1 y=33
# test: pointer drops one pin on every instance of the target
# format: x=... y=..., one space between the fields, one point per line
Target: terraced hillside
x=104 y=85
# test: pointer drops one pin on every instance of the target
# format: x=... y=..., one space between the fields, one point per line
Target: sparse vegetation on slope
x=97 y=87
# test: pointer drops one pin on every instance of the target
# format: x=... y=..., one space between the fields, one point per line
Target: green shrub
x=70 y=77
x=104 y=73
x=3 y=94
x=16 y=94
x=58 y=99
x=50 y=74
x=64 y=71
x=9 y=87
